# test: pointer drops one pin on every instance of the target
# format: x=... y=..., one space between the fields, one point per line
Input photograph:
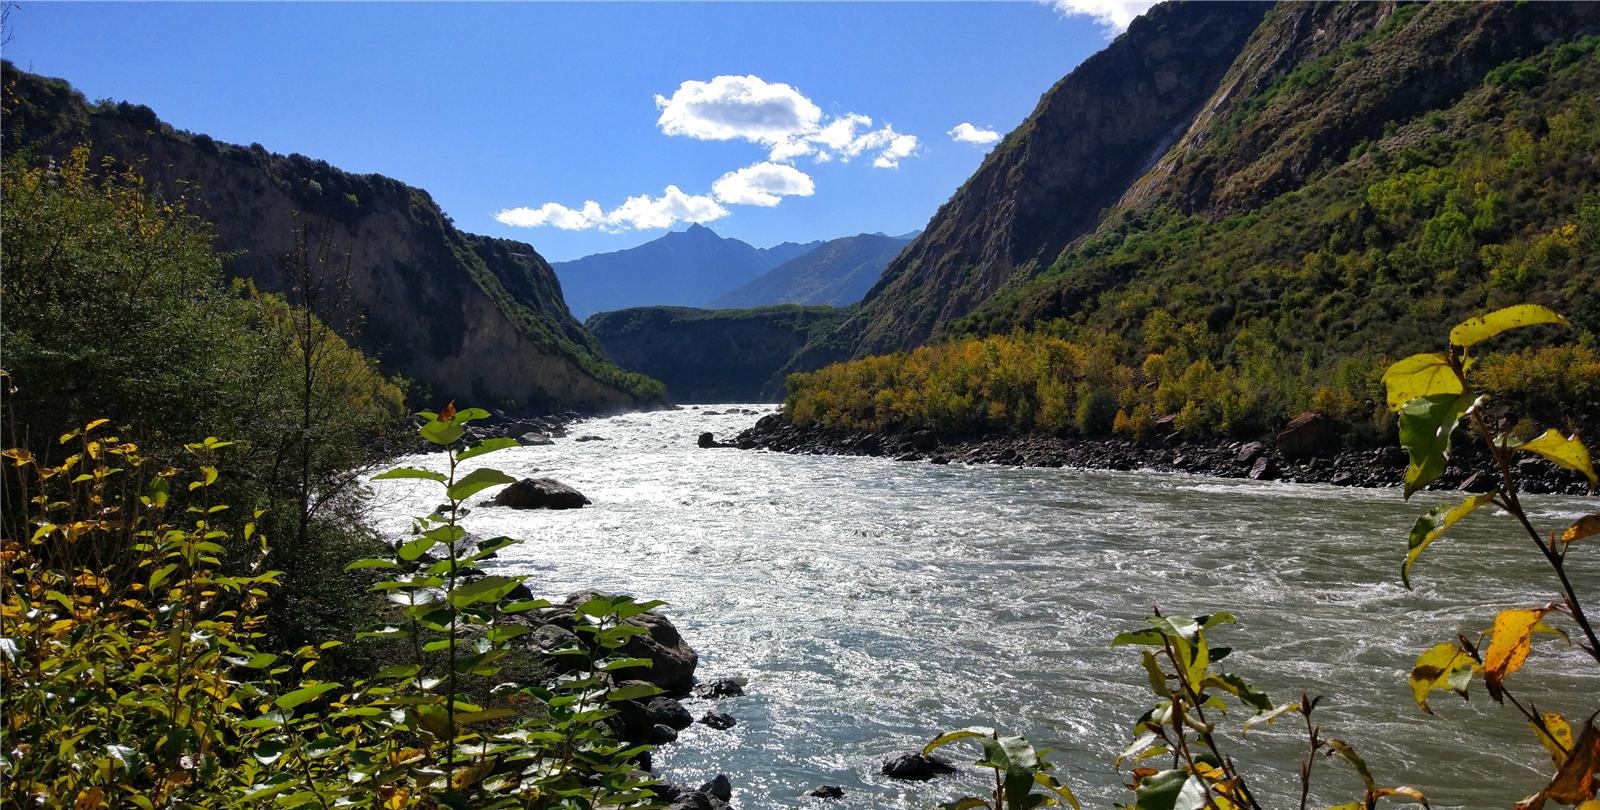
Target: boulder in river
x=672 y=661
x=1265 y=469
x=540 y=493
x=719 y=788
x=914 y=767
x=534 y=438
x=721 y=721
x=661 y=733
x=826 y=792
x=719 y=688
x=668 y=712
x=590 y=438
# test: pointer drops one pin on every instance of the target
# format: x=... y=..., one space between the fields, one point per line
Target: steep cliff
x=466 y=317
x=1048 y=181
x=836 y=273
x=1200 y=109
x=710 y=355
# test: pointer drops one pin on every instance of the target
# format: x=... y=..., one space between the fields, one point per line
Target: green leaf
x=953 y=736
x=634 y=691
x=1426 y=424
x=485 y=446
x=476 y=481
x=371 y=562
x=1564 y=451
x=1172 y=789
x=1483 y=327
x=1348 y=754
x=1145 y=637
x=1062 y=791
x=410 y=472
x=966 y=803
x=414 y=548
x=1435 y=523
x=1443 y=667
x=441 y=433
x=303 y=694
x=1241 y=689
x=484 y=589
x=1266 y=717
x=1420 y=375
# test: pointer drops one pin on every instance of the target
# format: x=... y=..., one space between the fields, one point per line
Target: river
x=872 y=604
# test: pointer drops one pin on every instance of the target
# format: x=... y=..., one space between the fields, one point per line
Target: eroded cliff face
x=1316 y=79
x=708 y=355
x=466 y=317
x=1213 y=109
x=1047 y=183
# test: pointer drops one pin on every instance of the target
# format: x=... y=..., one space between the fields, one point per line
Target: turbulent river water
x=871 y=604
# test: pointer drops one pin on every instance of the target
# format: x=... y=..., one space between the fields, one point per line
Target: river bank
x=1295 y=461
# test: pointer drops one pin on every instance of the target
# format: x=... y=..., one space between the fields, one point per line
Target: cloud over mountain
x=1113 y=15
x=967 y=133
x=772 y=115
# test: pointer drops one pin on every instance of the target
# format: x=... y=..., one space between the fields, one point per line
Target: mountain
x=710 y=355
x=686 y=268
x=837 y=273
x=1198 y=109
x=468 y=317
x=1358 y=178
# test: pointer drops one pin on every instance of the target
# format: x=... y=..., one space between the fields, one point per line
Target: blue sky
x=753 y=112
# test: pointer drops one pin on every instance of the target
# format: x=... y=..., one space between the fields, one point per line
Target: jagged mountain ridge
x=681 y=268
x=465 y=316
x=836 y=273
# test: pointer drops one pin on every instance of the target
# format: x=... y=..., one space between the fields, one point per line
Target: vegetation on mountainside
x=424 y=289
x=1232 y=327
x=711 y=355
x=137 y=672
x=1434 y=394
x=116 y=307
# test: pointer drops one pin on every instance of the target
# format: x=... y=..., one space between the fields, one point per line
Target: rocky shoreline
x=1308 y=451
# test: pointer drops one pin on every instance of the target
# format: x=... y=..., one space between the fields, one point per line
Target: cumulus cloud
x=1113 y=15
x=779 y=117
x=775 y=116
x=763 y=184
x=967 y=133
x=638 y=213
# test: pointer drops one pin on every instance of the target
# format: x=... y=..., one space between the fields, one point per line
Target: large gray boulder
x=540 y=493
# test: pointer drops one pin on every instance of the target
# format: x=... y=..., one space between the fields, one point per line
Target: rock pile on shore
x=1308 y=451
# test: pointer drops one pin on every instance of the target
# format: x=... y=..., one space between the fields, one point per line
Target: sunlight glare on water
x=872 y=604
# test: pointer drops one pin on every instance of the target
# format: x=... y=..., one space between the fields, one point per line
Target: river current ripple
x=872 y=604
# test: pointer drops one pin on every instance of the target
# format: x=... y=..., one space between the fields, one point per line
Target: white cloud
x=763 y=184
x=967 y=133
x=1113 y=15
x=555 y=215
x=730 y=107
x=778 y=117
x=638 y=213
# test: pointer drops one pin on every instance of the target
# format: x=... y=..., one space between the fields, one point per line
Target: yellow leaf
x=1446 y=666
x=1559 y=739
x=1575 y=781
x=1483 y=327
x=1404 y=790
x=1435 y=523
x=1513 y=632
x=1420 y=375
x=90 y=799
x=1566 y=452
x=1585 y=527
